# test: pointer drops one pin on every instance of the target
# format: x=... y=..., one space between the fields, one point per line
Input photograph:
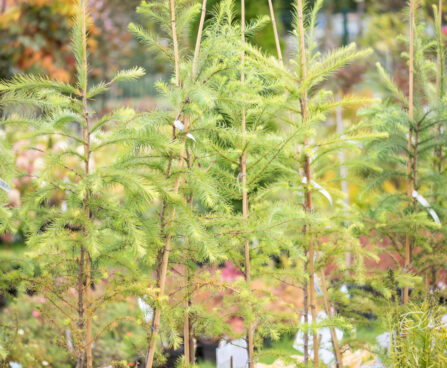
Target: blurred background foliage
x=34 y=34
x=34 y=37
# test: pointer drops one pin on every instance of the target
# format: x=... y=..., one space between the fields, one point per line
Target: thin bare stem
x=410 y=188
x=308 y=193
x=275 y=32
x=243 y=166
x=327 y=306
x=188 y=333
x=163 y=266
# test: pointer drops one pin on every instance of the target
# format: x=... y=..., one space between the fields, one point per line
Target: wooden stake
x=439 y=97
x=306 y=320
x=186 y=331
x=410 y=188
x=439 y=86
x=307 y=171
x=275 y=32
x=439 y=61
x=250 y=332
x=175 y=43
x=85 y=270
x=199 y=39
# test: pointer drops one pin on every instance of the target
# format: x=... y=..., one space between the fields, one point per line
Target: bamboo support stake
x=439 y=85
x=439 y=60
x=250 y=332
x=85 y=270
x=410 y=188
x=275 y=32
x=307 y=171
x=167 y=248
x=175 y=43
x=439 y=97
x=199 y=39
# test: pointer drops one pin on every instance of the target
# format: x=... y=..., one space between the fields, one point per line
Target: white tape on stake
x=4 y=185
x=320 y=189
x=146 y=309
x=180 y=126
x=425 y=204
x=317 y=285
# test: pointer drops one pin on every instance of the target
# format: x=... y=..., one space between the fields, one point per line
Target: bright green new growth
x=393 y=215
x=81 y=218
x=117 y=193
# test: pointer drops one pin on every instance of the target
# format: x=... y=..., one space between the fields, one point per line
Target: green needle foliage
x=6 y=173
x=81 y=214
x=176 y=145
x=152 y=204
x=208 y=225
x=330 y=225
x=392 y=215
x=418 y=337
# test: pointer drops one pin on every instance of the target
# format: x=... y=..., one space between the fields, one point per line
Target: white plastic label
x=232 y=354
x=4 y=185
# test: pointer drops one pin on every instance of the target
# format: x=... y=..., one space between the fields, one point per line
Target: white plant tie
x=425 y=204
x=180 y=126
x=320 y=189
x=238 y=181
x=146 y=309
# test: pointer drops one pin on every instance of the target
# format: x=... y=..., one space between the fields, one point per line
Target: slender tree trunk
x=163 y=274
x=305 y=286
x=188 y=333
x=327 y=305
x=250 y=332
x=163 y=269
x=88 y=298
x=275 y=32
x=308 y=193
x=186 y=325
x=81 y=324
x=408 y=245
x=306 y=321
x=343 y=169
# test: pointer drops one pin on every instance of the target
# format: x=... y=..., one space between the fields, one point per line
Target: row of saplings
x=228 y=173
